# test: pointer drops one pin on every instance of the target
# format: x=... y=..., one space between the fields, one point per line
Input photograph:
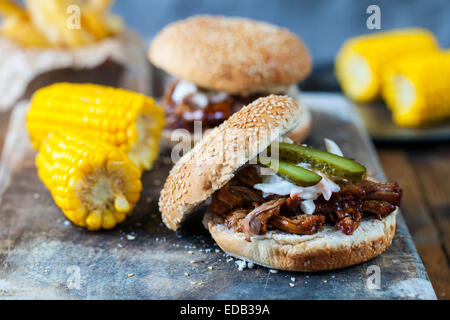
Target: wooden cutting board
x=43 y=255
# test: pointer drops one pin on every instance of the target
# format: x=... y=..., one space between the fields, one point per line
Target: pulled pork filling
x=247 y=210
x=185 y=103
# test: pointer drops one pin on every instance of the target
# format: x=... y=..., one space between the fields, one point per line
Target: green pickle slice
x=298 y=175
x=328 y=163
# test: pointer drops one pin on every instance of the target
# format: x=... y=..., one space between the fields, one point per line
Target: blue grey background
x=323 y=24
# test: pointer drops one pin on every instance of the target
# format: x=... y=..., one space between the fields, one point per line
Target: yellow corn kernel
x=417 y=89
x=133 y=186
x=108 y=220
x=360 y=61
x=90 y=196
x=133 y=196
x=120 y=216
x=121 y=204
x=94 y=221
x=74 y=108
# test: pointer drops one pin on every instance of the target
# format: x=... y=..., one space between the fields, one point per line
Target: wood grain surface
x=141 y=258
x=423 y=171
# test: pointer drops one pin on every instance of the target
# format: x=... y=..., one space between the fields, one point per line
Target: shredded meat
x=300 y=224
x=256 y=221
x=389 y=192
x=235 y=218
x=292 y=205
x=248 y=211
x=380 y=208
x=238 y=193
x=248 y=176
x=348 y=225
x=343 y=208
x=224 y=201
x=250 y=195
x=183 y=115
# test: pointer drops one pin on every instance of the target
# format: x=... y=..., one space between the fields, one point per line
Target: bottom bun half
x=326 y=250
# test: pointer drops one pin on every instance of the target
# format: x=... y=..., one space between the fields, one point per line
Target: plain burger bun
x=214 y=160
x=230 y=54
x=297 y=135
x=325 y=250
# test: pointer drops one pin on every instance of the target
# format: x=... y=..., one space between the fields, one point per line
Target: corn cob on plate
x=130 y=121
x=93 y=183
x=417 y=89
x=360 y=61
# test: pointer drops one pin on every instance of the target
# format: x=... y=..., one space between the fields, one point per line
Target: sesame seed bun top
x=215 y=159
x=230 y=54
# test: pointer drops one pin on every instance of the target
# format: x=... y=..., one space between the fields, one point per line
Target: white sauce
x=216 y=97
x=182 y=90
x=308 y=206
x=201 y=98
x=274 y=184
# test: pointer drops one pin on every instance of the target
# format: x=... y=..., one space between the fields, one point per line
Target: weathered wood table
x=42 y=255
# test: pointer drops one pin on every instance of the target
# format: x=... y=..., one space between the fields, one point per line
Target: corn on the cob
x=93 y=183
x=417 y=88
x=360 y=61
x=128 y=120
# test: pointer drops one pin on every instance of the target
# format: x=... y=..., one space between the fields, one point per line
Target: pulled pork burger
x=221 y=64
x=304 y=210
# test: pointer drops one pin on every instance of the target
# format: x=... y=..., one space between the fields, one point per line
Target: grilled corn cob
x=417 y=88
x=360 y=61
x=93 y=183
x=128 y=120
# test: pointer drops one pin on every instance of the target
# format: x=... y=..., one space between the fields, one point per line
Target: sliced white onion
x=332 y=147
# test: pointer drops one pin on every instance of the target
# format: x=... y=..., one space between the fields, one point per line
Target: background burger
x=316 y=210
x=221 y=64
